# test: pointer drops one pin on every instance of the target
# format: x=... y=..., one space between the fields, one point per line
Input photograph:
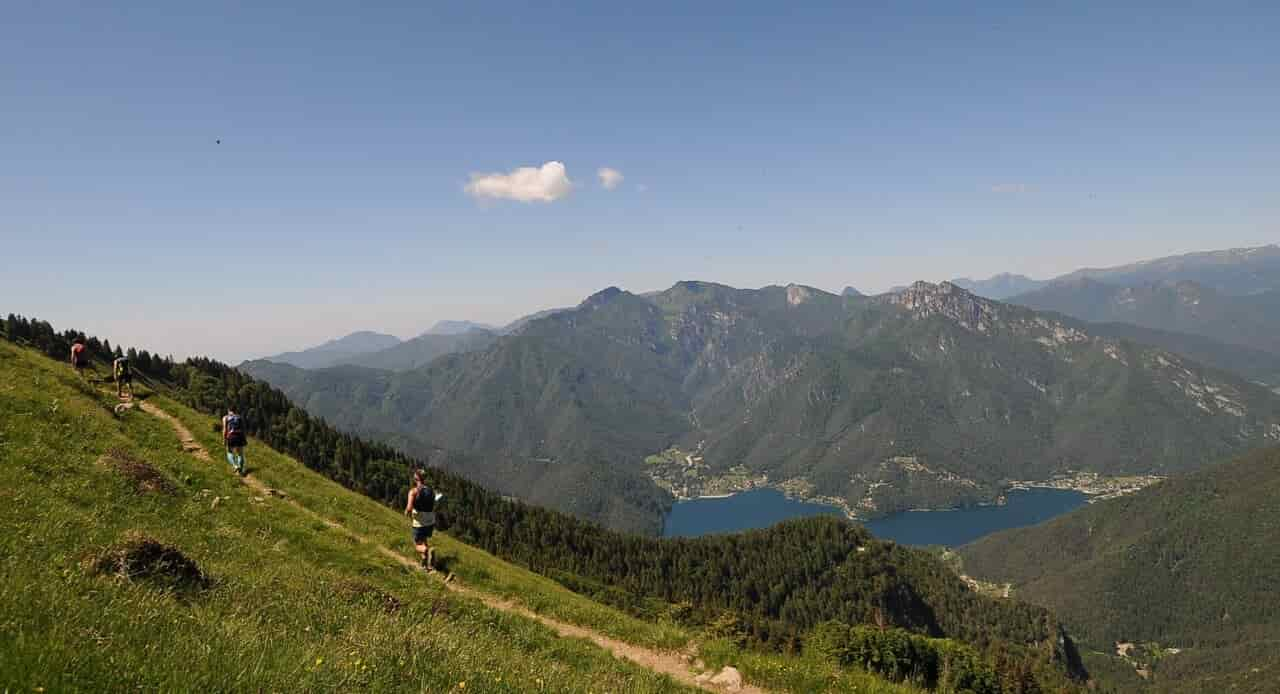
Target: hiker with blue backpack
x=233 y=435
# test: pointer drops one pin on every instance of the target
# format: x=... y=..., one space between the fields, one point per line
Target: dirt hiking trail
x=667 y=663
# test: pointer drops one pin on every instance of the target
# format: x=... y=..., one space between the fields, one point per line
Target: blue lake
x=758 y=508
x=761 y=508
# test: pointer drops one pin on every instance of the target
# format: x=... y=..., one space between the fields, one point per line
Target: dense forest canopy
x=1191 y=564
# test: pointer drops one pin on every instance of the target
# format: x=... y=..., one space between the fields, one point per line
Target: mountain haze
x=456 y=327
x=421 y=350
x=337 y=351
x=1182 y=306
x=1000 y=286
x=1235 y=271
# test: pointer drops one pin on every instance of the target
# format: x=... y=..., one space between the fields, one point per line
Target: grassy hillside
x=1191 y=564
x=286 y=604
x=273 y=598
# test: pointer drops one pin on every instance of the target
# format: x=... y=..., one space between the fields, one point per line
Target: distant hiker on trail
x=421 y=508
x=233 y=435
x=79 y=356
x=124 y=376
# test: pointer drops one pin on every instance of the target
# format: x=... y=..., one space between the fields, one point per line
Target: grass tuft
x=139 y=557
x=358 y=592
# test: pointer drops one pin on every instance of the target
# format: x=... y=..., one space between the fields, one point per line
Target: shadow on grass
x=444 y=563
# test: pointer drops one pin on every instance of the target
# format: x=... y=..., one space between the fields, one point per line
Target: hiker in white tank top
x=421 y=508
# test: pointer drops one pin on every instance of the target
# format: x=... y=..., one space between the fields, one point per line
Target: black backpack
x=122 y=367
x=425 y=501
x=233 y=423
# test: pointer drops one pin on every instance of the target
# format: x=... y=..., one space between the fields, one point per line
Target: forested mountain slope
x=1192 y=563
x=1251 y=364
x=928 y=397
x=767 y=589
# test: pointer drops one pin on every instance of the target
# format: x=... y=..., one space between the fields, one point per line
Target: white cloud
x=1010 y=188
x=609 y=178
x=546 y=183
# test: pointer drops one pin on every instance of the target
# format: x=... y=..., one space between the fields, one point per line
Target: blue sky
x=869 y=144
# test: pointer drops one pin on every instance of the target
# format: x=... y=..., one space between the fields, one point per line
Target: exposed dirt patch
x=139 y=557
x=361 y=593
x=144 y=477
x=189 y=443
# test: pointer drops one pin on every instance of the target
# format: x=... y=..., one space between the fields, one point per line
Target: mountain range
x=337 y=351
x=457 y=327
x=1218 y=307
x=1182 y=306
x=379 y=351
x=929 y=397
x=1234 y=271
x=1001 y=286
x=422 y=349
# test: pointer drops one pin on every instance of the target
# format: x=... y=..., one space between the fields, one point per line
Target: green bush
x=940 y=664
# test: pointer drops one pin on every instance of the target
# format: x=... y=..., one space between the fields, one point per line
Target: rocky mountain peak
x=925 y=299
x=797 y=294
x=603 y=296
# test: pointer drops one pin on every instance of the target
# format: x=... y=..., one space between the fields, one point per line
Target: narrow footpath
x=670 y=664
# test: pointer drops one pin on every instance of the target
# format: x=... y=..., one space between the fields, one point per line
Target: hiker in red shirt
x=79 y=356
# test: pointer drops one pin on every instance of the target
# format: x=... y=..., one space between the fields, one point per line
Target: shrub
x=940 y=664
